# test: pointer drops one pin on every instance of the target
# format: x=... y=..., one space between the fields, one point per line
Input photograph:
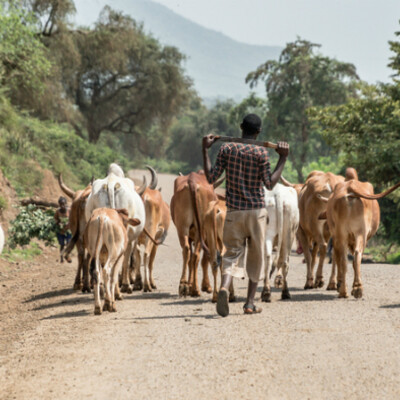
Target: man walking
x=247 y=171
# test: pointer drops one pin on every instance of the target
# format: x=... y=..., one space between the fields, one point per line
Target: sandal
x=247 y=309
x=222 y=302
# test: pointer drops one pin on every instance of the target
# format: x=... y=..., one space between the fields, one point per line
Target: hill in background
x=217 y=64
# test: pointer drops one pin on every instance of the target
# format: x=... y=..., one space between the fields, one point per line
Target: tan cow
x=353 y=217
x=189 y=205
x=213 y=234
x=157 y=224
x=313 y=233
x=106 y=239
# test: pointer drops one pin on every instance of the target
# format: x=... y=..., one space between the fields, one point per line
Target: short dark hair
x=62 y=200
x=251 y=124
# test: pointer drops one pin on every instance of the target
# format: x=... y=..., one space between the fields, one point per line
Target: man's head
x=251 y=125
x=62 y=202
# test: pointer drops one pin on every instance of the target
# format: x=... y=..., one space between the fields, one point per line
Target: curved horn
x=69 y=192
x=154 y=178
x=286 y=183
x=374 y=196
x=92 y=180
x=323 y=198
x=142 y=188
x=219 y=182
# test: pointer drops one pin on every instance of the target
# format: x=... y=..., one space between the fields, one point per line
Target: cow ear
x=133 y=221
x=322 y=215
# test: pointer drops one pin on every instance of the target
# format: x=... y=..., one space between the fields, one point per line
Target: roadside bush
x=32 y=222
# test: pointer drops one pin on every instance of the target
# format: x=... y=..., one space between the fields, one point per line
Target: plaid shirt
x=247 y=170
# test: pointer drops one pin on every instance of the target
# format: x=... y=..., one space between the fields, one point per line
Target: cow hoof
x=266 y=296
x=118 y=296
x=319 y=283
x=286 y=295
x=232 y=298
x=214 y=298
x=357 y=292
x=97 y=310
x=78 y=286
x=138 y=286
x=195 y=293
x=183 y=290
x=113 y=307
x=332 y=286
x=153 y=285
x=106 y=306
x=147 y=288
x=279 y=281
x=206 y=289
x=308 y=285
x=126 y=288
x=86 y=289
x=343 y=295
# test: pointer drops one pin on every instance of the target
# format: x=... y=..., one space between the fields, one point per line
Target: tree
x=126 y=80
x=299 y=80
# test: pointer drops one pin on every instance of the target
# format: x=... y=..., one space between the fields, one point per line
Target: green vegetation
x=21 y=254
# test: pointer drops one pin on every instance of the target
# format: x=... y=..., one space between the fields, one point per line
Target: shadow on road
x=390 y=306
x=68 y=302
x=71 y=314
x=48 y=295
x=188 y=317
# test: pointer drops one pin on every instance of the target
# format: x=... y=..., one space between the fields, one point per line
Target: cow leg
x=86 y=281
x=357 y=291
x=307 y=255
x=183 y=283
x=285 y=288
x=332 y=285
x=232 y=297
x=137 y=263
x=319 y=279
x=278 y=282
x=126 y=287
x=214 y=269
x=151 y=266
x=205 y=284
x=195 y=290
x=266 y=292
x=340 y=254
x=146 y=256
x=96 y=286
x=78 y=282
x=107 y=287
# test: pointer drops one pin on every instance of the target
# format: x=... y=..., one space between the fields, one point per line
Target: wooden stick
x=247 y=141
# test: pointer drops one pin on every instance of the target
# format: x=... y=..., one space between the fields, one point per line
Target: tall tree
x=300 y=79
x=126 y=80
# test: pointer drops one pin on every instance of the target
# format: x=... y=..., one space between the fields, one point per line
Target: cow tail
x=71 y=243
x=111 y=195
x=373 y=196
x=279 y=220
x=156 y=242
x=193 y=195
x=97 y=247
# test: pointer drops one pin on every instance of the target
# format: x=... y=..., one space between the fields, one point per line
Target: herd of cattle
x=115 y=223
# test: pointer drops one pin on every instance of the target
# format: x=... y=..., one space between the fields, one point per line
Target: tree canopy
x=300 y=79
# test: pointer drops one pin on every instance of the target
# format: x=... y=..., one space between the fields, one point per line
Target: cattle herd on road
x=117 y=227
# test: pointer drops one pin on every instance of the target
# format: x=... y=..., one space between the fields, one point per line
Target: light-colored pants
x=245 y=227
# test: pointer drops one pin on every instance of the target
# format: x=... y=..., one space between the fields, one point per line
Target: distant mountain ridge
x=217 y=64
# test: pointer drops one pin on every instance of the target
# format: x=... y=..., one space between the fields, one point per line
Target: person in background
x=61 y=217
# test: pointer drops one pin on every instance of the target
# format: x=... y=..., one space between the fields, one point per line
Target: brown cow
x=189 y=204
x=157 y=224
x=106 y=239
x=77 y=223
x=313 y=233
x=353 y=218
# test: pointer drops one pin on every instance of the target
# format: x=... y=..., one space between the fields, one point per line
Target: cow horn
x=286 y=183
x=69 y=192
x=373 y=196
x=219 y=182
x=142 y=188
x=323 y=198
x=154 y=178
x=92 y=180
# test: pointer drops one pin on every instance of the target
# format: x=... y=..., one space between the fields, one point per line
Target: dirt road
x=160 y=346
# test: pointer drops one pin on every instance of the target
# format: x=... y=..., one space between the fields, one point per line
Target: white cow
x=1 y=239
x=283 y=221
x=117 y=192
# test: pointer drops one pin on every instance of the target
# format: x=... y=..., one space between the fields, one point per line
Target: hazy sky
x=355 y=31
